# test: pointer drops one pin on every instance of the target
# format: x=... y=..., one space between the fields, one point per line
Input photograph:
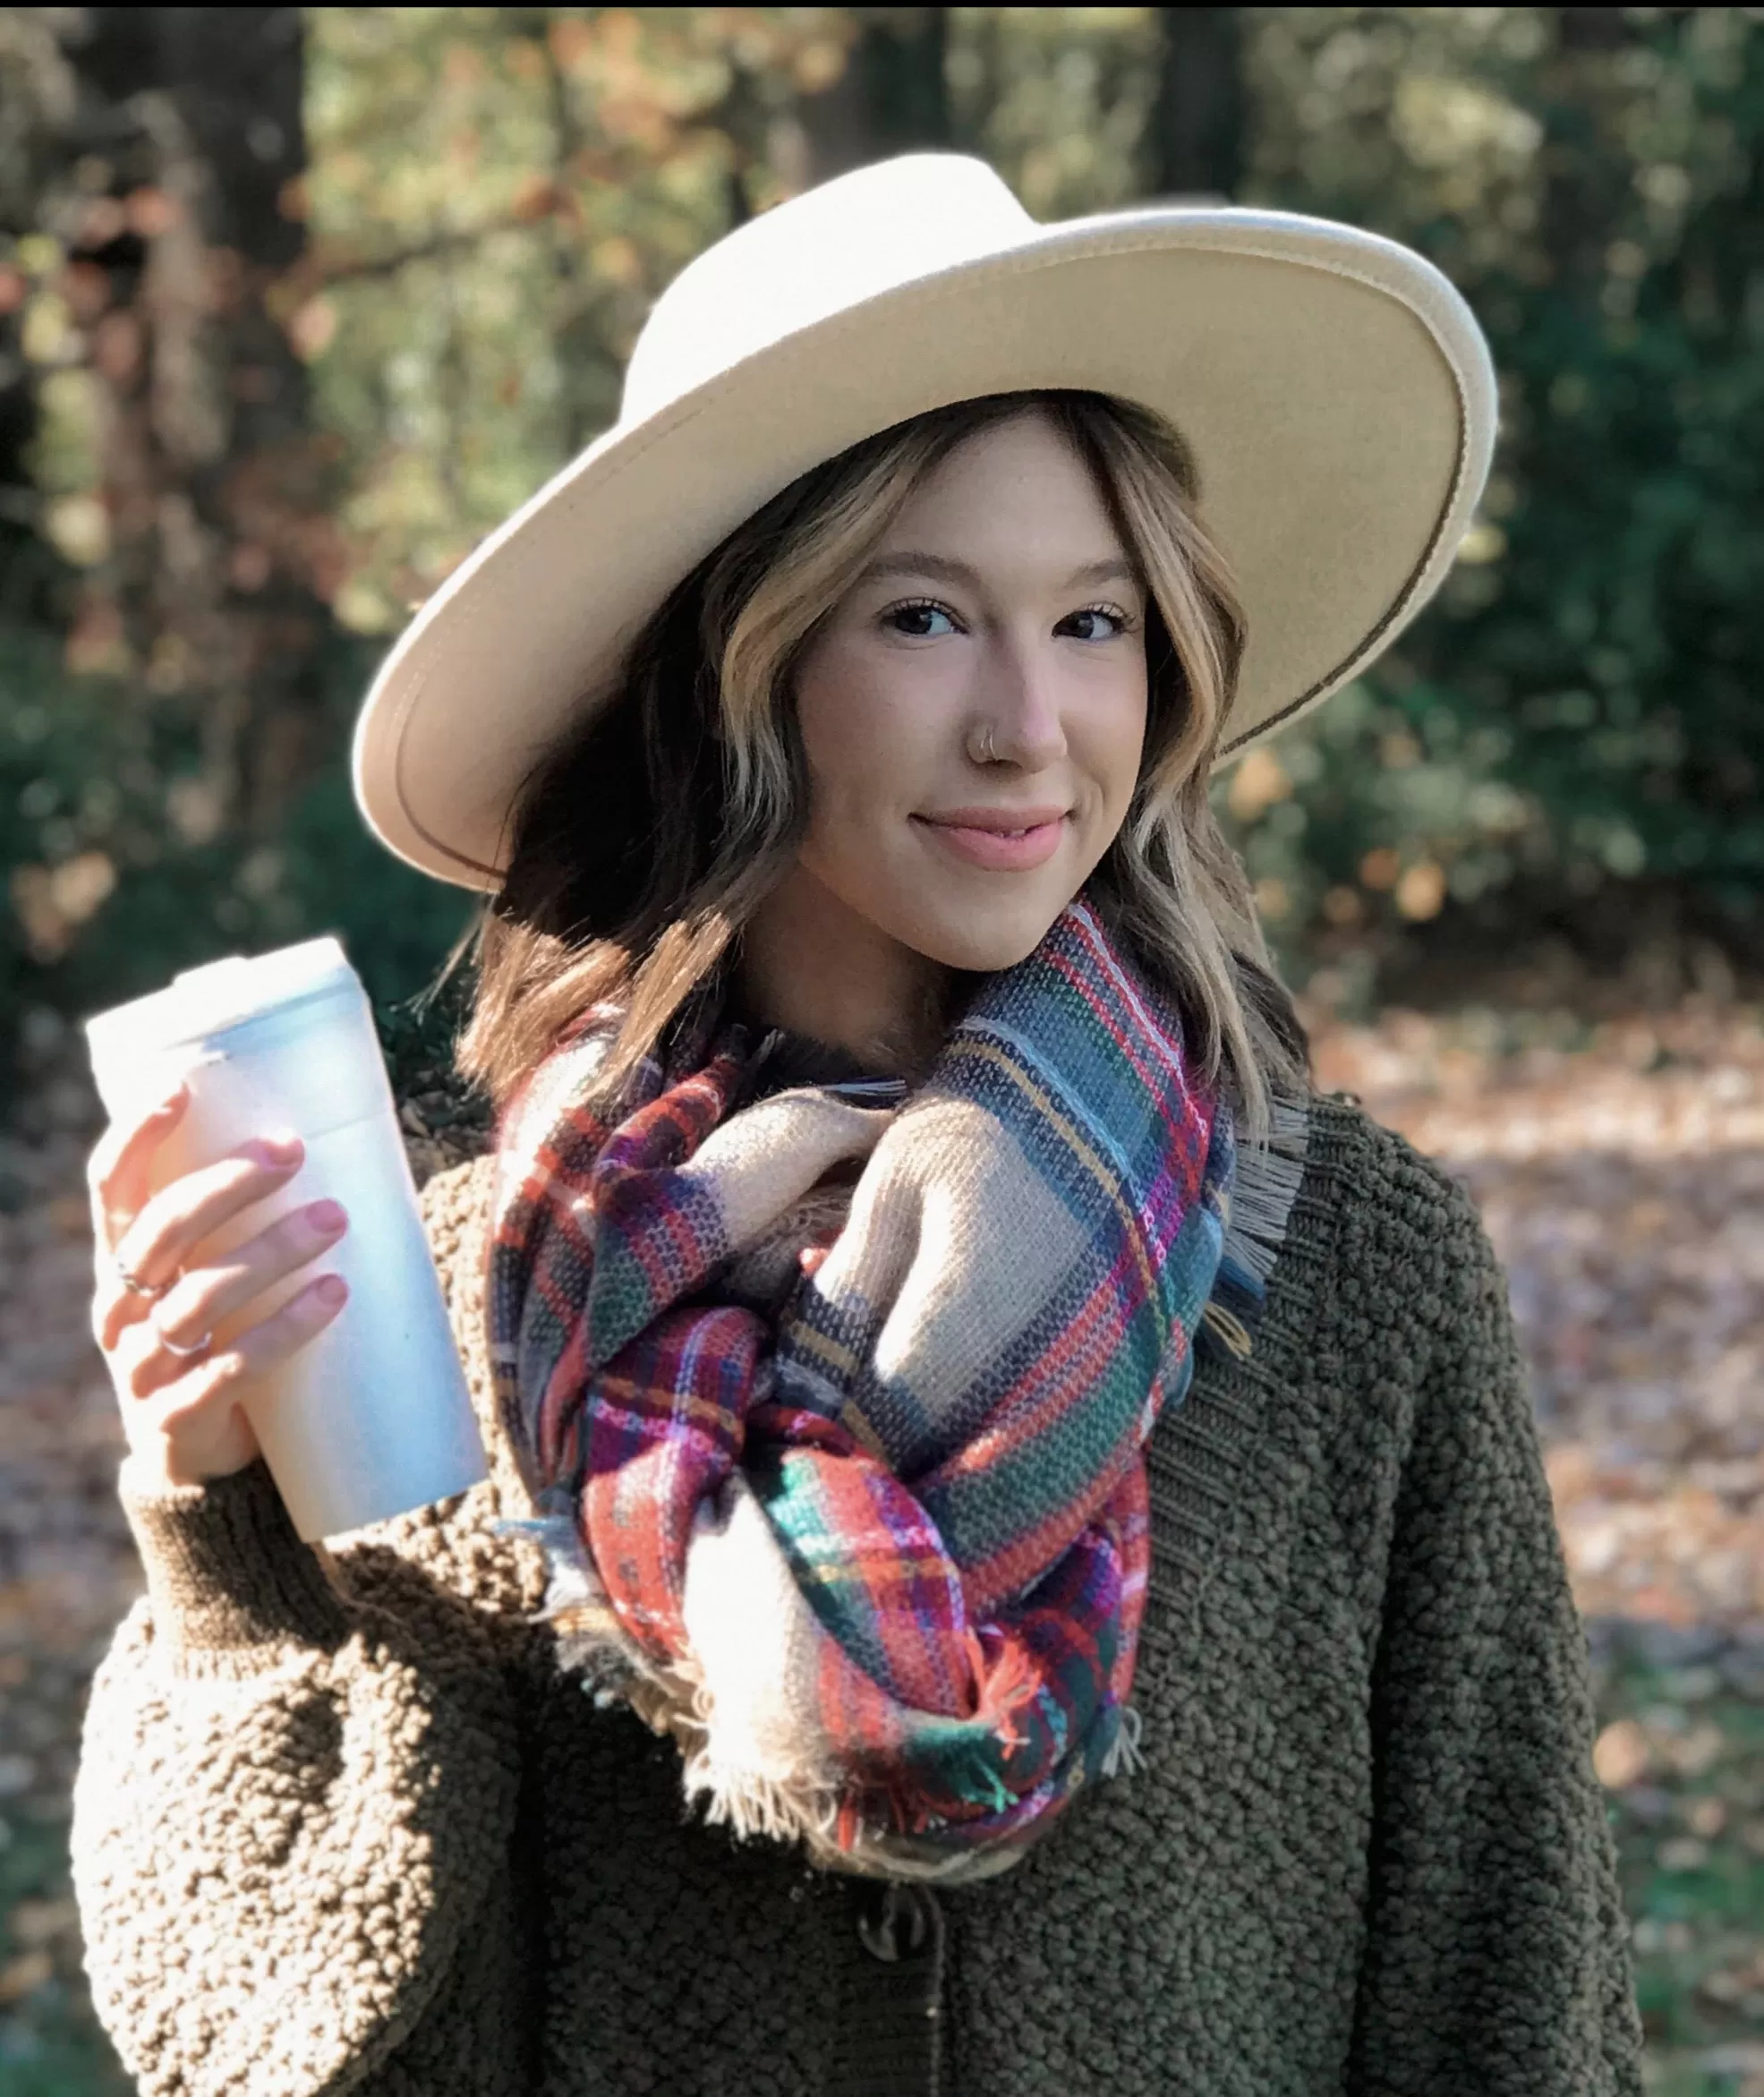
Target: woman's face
x=1002 y=600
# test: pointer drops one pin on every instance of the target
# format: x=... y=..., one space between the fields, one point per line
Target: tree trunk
x=891 y=97
x=221 y=557
x=1194 y=134
x=37 y=96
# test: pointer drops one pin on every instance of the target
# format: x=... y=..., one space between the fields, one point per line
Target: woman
x=1045 y=1506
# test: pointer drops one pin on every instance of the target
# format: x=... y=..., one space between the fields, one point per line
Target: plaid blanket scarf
x=870 y=1543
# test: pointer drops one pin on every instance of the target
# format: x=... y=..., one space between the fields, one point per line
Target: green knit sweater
x=340 y=1824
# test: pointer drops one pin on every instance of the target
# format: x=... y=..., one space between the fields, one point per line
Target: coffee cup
x=372 y=1417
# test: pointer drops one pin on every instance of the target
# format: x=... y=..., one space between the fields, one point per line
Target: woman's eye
x=1095 y=622
x=921 y=622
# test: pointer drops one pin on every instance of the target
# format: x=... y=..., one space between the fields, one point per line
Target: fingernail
x=331 y=1290
x=281 y=1150
x=327 y=1215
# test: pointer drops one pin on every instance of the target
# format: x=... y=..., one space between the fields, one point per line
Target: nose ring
x=986 y=755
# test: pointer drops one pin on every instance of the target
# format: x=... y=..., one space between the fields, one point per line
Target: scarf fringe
x=1265 y=1184
x=785 y=1808
x=1268 y=1178
x=803 y=1807
x=1125 y=1757
x=591 y=1643
x=810 y=1811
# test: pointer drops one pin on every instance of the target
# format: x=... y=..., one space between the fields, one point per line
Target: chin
x=984 y=941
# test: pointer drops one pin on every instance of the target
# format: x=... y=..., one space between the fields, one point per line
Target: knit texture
x=341 y=1823
x=871 y=1544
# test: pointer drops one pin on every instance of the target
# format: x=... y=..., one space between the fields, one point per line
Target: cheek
x=1128 y=748
x=869 y=736
x=1107 y=738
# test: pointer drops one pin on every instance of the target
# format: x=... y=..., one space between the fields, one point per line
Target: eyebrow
x=940 y=568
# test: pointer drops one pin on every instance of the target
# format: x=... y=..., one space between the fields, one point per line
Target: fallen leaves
x=20 y=1976
x=1621 y=1178
x=1621 y=1756
x=1620 y=1173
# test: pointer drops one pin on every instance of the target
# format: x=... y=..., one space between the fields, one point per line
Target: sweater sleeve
x=1497 y=1960
x=295 y=1815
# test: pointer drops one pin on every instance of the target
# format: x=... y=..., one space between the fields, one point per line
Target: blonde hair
x=648 y=839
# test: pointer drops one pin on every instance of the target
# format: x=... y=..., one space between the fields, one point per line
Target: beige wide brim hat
x=1333 y=387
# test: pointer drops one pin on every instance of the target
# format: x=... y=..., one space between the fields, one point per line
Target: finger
x=115 y=1306
x=117 y=1170
x=180 y=1385
x=176 y=1220
x=140 y=1364
x=202 y=1297
x=265 y=1346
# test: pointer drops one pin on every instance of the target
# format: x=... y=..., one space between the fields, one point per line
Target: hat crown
x=805 y=260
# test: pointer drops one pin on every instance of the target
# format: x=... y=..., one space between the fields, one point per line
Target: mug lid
x=217 y=996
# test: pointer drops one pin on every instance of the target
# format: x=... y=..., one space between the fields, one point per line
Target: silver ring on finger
x=148 y=1292
x=187 y=1353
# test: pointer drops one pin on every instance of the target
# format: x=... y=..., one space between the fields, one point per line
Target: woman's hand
x=178 y=1396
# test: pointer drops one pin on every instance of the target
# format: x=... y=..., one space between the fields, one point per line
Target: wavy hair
x=646 y=839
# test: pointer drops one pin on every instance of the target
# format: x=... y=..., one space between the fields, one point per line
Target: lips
x=1007 y=840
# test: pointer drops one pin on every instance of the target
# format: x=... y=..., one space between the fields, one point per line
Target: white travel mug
x=372 y=1417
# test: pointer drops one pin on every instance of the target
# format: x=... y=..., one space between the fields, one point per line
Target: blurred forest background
x=295 y=304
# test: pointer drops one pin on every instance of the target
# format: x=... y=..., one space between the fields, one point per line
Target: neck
x=813 y=965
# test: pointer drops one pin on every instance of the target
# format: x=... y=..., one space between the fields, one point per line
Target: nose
x=1018 y=701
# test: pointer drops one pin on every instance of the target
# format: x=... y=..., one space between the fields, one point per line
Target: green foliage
x=51 y=2045
x=1691 y=1865
x=1579 y=712
x=494 y=196
x=114 y=884
x=1574 y=715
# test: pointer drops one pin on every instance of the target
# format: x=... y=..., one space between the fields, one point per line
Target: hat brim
x=1333 y=387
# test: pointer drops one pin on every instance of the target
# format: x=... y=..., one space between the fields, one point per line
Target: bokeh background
x=295 y=304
